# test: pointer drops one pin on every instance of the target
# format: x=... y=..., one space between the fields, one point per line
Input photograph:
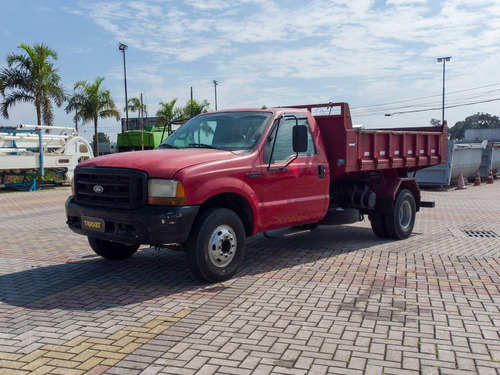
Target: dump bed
x=359 y=151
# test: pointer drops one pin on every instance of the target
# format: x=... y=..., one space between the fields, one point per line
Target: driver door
x=294 y=191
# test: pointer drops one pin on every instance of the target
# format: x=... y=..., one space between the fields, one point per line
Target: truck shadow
x=267 y=255
x=150 y=275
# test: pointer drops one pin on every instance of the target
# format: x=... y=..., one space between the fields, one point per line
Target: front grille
x=111 y=187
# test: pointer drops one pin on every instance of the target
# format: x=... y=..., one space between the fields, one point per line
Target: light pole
x=443 y=60
x=122 y=47
x=215 y=87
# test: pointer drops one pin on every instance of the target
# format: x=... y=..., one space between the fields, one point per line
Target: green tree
x=75 y=103
x=457 y=131
x=101 y=137
x=166 y=114
x=32 y=78
x=435 y=122
x=96 y=102
x=477 y=121
x=194 y=108
x=134 y=105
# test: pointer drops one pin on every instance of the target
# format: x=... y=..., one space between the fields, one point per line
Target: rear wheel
x=399 y=224
x=112 y=250
x=216 y=245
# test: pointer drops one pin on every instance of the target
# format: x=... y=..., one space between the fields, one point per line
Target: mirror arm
x=290 y=162
x=274 y=143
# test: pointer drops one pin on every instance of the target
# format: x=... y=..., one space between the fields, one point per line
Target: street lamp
x=215 y=87
x=443 y=60
x=122 y=47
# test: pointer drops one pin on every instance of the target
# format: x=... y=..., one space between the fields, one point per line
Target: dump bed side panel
x=354 y=152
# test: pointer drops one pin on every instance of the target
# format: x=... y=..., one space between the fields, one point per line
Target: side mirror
x=299 y=138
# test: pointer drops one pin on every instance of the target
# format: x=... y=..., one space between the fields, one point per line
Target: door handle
x=321 y=172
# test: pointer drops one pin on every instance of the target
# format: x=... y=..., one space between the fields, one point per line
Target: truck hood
x=163 y=163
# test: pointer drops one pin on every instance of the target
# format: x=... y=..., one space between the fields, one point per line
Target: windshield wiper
x=166 y=145
x=204 y=145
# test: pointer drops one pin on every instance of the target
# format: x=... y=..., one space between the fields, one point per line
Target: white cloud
x=264 y=51
x=405 y=2
x=204 y=5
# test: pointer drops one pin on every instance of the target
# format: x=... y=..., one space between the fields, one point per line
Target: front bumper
x=152 y=225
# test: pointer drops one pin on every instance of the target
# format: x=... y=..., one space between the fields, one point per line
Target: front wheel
x=112 y=250
x=216 y=245
x=399 y=224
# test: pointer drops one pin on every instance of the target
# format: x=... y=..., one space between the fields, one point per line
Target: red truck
x=227 y=175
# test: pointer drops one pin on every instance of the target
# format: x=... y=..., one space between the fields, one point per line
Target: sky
x=380 y=56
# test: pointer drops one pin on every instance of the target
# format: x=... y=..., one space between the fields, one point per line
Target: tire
x=216 y=245
x=399 y=224
x=112 y=250
x=377 y=222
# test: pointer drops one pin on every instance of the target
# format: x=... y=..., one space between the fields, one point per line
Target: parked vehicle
x=149 y=139
x=28 y=151
x=227 y=175
x=135 y=140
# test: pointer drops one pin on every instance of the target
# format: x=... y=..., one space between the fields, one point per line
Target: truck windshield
x=231 y=131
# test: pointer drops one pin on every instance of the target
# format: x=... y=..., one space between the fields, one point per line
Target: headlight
x=166 y=192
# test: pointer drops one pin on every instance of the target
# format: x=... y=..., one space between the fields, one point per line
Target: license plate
x=93 y=223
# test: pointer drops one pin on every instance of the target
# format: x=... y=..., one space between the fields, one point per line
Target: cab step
x=285 y=233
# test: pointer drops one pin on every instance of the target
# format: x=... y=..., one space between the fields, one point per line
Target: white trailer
x=30 y=150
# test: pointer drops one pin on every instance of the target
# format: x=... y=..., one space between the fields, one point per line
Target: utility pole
x=443 y=60
x=215 y=87
x=142 y=124
x=122 y=47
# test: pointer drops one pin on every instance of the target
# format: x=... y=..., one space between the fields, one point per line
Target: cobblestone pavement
x=338 y=300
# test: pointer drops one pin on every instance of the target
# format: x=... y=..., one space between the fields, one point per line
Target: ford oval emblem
x=98 y=189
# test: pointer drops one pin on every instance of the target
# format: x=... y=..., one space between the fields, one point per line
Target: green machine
x=131 y=140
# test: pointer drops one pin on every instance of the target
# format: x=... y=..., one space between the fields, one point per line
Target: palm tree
x=193 y=108
x=32 y=78
x=166 y=114
x=134 y=105
x=96 y=102
x=75 y=104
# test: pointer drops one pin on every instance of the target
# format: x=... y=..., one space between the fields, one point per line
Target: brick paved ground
x=338 y=301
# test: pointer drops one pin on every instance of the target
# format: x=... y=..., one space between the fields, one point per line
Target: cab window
x=283 y=148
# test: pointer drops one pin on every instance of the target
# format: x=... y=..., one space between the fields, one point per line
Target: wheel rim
x=405 y=215
x=222 y=246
